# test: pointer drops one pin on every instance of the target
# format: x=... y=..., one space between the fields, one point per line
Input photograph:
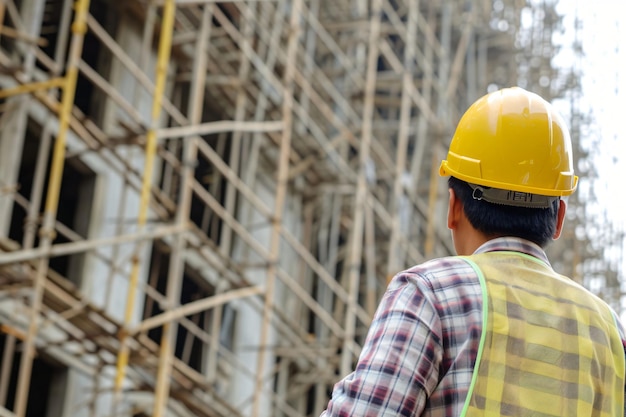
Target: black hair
x=535 y=224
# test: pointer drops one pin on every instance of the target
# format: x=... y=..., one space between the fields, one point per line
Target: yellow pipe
x=165 y=44
x=52 y=200
x=30 y=87
x=69 y=91
x=165 y=47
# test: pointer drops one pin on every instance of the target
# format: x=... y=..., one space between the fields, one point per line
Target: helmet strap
x=511 y=198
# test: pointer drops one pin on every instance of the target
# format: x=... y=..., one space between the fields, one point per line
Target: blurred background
x=597 y=56
x=202 y=201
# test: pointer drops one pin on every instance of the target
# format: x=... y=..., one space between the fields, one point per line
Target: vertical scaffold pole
x=281 y=191
x=47 y=234
x=356 y=239
x=164 y=51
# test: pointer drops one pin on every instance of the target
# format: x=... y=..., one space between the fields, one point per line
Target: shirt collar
x=514 y=244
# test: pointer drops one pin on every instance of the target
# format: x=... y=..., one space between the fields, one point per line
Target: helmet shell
x=512 y=139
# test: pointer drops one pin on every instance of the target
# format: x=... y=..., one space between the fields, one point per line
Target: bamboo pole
x=241 y=102
x=147 y=40
x=422 y=139
x=209 y=128
x=2 y=9
x=175 y=277
x=61 y=42
x=30 y=226
x=395 y=258
x=281 y=191
x=194 y=307
x=196 y=106
x=429 y=244
x=270 y=52
x=12 y=33
x=113 y=94
x=199 y=72
x=324 y=295
x=371 y=299
x=8 y=351
x=443 y=104
x=460 y=56
x=356 y=238
x=79 y=29
x=150 y=153
x=69 y=248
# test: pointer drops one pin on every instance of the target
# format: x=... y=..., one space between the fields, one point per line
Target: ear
x=455 y=209
x=560 y=219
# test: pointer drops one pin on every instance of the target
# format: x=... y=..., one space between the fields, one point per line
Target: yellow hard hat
x=514 y=140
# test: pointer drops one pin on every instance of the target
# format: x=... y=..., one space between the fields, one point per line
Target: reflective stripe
x=483 y=333
x=548 y=347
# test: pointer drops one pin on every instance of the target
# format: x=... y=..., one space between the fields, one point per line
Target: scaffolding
x=202 y=201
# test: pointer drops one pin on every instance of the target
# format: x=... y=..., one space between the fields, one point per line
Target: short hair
x=535 y=224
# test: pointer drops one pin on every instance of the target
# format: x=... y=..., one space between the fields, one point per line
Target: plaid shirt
x=421 y=348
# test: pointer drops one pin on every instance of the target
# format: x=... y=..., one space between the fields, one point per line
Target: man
x=493 y=331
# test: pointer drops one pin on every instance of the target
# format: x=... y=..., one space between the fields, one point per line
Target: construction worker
x=495 y=330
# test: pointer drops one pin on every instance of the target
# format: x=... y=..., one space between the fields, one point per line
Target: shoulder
x=438 y=274
x=450 y=284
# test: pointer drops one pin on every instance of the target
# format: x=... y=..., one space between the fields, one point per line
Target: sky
x=604 y=74
x=603 y=69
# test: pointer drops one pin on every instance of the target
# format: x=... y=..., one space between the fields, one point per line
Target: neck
x=467 y=239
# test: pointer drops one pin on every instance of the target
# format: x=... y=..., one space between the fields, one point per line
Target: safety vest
x=548 y=347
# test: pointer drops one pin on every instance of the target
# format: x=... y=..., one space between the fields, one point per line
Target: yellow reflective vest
x=548 y=346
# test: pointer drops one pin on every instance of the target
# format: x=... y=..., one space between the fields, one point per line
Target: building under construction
x=201 y=201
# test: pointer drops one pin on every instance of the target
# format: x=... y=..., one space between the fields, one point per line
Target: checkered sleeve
x=399 y=365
